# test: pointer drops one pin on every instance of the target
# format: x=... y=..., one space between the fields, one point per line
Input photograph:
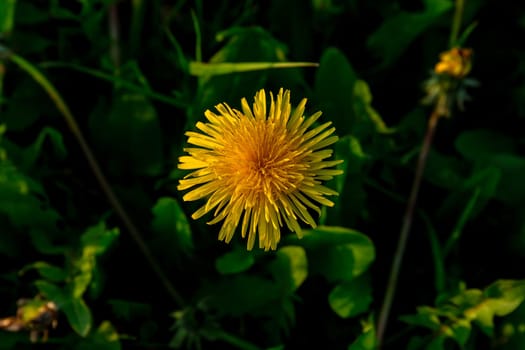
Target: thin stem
x=114 y=35
x=456 y=24
x=407 y=223
x=97 y=171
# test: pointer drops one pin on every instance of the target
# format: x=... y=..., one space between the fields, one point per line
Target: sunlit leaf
x=290 y=267
x=337 y=253
x=351 y=298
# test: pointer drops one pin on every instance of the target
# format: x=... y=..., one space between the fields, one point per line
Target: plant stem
x=407 y=221
x=456 y=24
x=97 y=171
x=114 y=35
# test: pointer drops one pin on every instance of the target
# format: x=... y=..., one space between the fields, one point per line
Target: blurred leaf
x=26 y=157
x=127 y=310
x=78 y=315
x=130 y=135
x=350 y=185
x=453 y=316
x=97 y=239
x=234 y=261
x=369 y=120
x=105 y=337
x=481 y=144
x=367 y=339
x=173 y=232
x=500 y=299
x=337 y=253
x=210 y=69
x=396 y=33
x=7 y=14
x=334 y=88
x=290 y=267
x=240 y=295
x=28 y=14
x=19 y=114
x=47 y=271
x=351 y=298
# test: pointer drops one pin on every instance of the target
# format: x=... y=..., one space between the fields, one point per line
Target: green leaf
x=78 y=315
x=7 y=14
x=210 y=69
x=26 y=157
x=105 y=337
x=338 y=253
x=235 y=261
x=500 y=299
x=396 y=33
x=369 y=120
x=129 y=134
x=290 y=267
x=47 y=271
x=367 y=339
x=97 y=239
x=334 y=88
x=171 y=227
x=351 y=298
x=481 y=144
x=350 y=203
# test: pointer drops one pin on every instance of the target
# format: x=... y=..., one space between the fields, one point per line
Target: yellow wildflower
x=262 y=166
x=456 y=62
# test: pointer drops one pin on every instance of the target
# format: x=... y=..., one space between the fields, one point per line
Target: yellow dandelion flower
x=456 y=62
x=261 y=168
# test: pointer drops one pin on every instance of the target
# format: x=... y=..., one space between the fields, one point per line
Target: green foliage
x=453 y=316
x=95 y=98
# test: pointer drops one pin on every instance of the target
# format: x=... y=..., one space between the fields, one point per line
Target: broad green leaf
x=290 y=267
x=334 y=89
x=481 y=144
x=396 y=33
x=351 y=298
x=338 y=253
x=52 y=292
x=47 y=271
x=171 y=227
x=511 y=187
x=235 y=261
x=78 y=315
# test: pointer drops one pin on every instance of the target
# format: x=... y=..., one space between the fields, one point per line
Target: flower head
x=455 y=62
x=261 y=168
